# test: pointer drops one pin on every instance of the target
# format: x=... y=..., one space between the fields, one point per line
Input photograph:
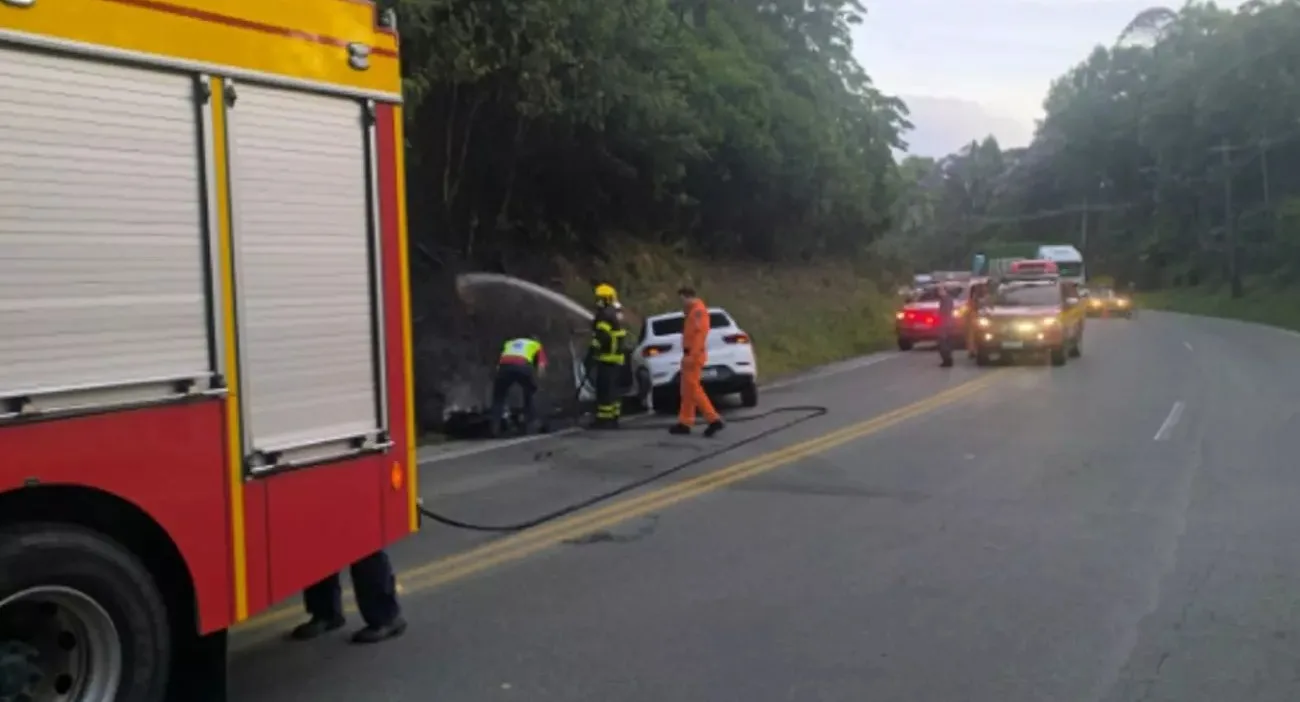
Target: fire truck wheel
x=86 y=612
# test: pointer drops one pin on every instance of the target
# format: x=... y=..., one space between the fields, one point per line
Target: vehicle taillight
x=736 y=338
x=656 y=350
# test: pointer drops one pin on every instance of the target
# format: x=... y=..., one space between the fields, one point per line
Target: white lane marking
x=1188 y=345
x=435 y=456
x=1175 y=413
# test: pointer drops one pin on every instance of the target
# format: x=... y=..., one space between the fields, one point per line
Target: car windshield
x=1029 y=295
x=931 y=294
x=668 y=326
x=1069 y=269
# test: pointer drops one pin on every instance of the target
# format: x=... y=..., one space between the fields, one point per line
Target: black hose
x=808 y=413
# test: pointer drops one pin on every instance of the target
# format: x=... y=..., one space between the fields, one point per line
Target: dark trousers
x=373 y=583
x=508 y=376
x=608 y=403
x=945 y=346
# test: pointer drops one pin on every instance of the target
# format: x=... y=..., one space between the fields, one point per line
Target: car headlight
x=984 y=322
x=1049 y=321
x=1095 y=303
x=1122 y=303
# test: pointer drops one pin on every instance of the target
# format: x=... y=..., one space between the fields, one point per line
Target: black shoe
x=316 y=627
x=946 y=364
x=679 y=429
x=714 y=428
x=375 y=634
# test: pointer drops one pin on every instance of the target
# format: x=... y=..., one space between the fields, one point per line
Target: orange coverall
x=695 y=346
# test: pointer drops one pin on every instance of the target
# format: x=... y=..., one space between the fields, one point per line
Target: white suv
x=656 y=363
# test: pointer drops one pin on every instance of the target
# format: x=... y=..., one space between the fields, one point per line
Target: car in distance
x=657 y=361
x=1027 y=316
x=918 y=320
x=1105 y=302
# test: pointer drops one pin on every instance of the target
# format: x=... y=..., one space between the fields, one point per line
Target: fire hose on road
x=804 y=413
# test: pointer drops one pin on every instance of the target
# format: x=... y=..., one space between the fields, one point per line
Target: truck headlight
x=983 y=322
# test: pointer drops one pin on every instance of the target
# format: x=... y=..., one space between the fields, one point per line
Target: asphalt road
x=1121 y=529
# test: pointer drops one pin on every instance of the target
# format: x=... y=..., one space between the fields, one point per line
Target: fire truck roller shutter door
x=305 y=256
x=104 y=297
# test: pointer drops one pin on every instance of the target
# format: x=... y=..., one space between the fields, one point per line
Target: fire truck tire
x=105 y=624
x=1058 y=356
x=905 y=344
x=982 y=357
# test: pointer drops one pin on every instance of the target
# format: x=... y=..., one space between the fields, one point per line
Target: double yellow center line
x=524 y=544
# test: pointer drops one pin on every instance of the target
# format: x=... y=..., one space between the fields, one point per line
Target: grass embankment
x=1266 y=305
x=799 y=315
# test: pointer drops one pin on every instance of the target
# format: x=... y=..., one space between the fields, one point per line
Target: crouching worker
x=522 y=363
x=375 y=587
x=695 y=355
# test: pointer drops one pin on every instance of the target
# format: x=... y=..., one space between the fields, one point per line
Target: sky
x=982 y=65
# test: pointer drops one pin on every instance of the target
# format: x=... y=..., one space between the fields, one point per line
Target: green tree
x=1173 y=153
x=732 y=128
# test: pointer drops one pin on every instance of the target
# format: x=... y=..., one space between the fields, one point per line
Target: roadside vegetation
x=799 y=315
x=1170 y=155
x=1260 y=303
x=738 y=145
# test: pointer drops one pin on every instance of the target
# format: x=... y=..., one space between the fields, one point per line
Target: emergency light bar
x=1034 y=268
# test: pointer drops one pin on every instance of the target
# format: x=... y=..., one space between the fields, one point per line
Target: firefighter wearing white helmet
x=605 y=357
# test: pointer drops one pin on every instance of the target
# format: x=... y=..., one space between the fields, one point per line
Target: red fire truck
x=205 y=397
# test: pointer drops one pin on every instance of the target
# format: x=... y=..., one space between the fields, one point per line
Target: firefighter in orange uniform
x=695 y=355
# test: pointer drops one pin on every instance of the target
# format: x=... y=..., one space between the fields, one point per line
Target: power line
x=1048 y=214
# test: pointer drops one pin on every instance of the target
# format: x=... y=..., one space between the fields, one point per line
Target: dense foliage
x=1172 y=157
x=739 y=128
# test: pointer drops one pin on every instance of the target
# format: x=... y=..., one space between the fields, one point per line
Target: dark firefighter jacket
x=607 y=334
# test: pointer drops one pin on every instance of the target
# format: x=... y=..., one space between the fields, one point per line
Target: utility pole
x=1263 y=170
x=1229 y=223
x=1083 y=228
x=1268 y=192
